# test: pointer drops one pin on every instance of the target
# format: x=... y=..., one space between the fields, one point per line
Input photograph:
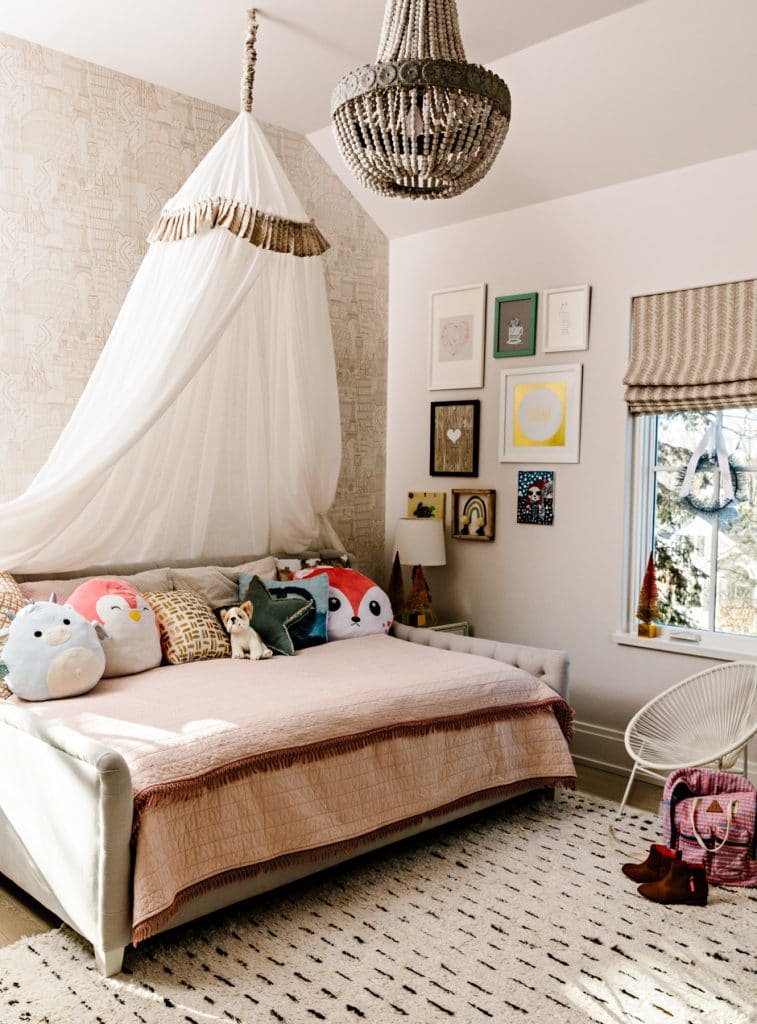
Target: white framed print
x=566 y=318
x=456 y=347
x=540 y=414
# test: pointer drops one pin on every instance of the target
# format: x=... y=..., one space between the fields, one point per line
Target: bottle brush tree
x=419 y=601
x=649 y=607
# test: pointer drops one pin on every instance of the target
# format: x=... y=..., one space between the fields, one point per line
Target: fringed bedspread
x=240 y=767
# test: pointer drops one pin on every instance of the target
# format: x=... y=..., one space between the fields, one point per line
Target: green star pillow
x=271 y=616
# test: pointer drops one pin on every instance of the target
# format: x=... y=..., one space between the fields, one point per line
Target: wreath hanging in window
x=711 y=454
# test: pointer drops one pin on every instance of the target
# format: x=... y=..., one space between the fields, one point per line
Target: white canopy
x=210 y=425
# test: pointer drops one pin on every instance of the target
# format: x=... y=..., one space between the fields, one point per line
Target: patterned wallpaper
x=88 y=156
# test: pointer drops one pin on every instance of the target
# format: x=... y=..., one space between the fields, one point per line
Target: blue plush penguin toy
x=51 y=652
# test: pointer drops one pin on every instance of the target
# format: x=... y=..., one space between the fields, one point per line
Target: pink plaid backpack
x=710 y=817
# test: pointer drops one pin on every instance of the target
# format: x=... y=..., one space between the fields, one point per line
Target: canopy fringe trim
x=265 y=230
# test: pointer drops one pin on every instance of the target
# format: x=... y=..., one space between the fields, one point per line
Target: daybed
x=162 y=796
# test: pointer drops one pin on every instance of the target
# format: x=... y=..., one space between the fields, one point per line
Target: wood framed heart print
x=454 y=438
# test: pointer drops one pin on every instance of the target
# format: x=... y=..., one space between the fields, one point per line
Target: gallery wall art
x=454 y=438
x=426 y=504
x=566 y=318
x=456 y=345
x=515 y=325
x=540 y=414
x=536 y=497
x=473 y=513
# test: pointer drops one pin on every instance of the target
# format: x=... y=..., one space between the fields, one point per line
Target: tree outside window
x=706 y=563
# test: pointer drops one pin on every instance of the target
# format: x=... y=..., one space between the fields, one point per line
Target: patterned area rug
x=520 y=913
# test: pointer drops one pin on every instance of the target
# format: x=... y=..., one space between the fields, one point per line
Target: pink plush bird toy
x=133 y=643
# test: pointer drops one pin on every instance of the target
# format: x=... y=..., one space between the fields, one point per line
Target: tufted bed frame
x=66 y=807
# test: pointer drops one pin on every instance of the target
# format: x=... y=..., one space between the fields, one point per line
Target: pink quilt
x=240 y=767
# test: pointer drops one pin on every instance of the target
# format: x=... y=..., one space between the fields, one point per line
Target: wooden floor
x=20 y=915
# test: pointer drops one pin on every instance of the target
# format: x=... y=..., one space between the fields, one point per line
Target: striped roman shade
x=694 y=349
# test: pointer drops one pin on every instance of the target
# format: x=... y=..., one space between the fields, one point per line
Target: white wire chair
x=705 y=719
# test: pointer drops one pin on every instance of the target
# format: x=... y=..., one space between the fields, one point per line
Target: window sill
x=700 y=649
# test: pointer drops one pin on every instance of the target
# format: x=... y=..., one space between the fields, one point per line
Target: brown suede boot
x=683 y=883
x=654 y=867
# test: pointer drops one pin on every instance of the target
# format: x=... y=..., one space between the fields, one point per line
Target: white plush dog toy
x=243 y=637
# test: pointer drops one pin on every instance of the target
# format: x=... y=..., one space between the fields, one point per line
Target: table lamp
x=420 y=542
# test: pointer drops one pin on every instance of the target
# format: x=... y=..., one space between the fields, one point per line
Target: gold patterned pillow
x=189 y=631
x=11 y=602
x=11 y=598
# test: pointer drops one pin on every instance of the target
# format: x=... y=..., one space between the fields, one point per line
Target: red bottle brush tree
x=419 y=600
x=649 y=607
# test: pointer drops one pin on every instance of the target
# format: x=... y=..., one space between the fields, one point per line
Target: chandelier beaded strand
x=421 y=122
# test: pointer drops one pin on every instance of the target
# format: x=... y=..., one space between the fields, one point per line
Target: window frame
x=639 y=533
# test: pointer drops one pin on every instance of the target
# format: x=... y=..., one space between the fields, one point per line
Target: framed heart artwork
x=456 y=342
x=454 y=438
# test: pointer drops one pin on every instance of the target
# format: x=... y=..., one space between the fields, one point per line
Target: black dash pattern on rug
x=519 y=913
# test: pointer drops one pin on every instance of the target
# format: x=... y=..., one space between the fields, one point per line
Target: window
x=706 y=562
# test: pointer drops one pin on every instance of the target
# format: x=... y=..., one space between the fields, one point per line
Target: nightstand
x=461 y=628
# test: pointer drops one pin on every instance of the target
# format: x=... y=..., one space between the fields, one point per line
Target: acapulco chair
x=705 y=719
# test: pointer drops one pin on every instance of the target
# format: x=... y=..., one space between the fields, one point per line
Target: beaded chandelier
x=421 y=122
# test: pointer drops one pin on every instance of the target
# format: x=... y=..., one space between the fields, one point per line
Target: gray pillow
x=150 y=579
x=218 y=585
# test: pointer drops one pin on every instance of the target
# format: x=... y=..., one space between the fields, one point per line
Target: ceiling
x=603 y=90
x=657 y=87
x=304 y=46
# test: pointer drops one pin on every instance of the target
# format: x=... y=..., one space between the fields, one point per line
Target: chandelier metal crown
x=421 y=122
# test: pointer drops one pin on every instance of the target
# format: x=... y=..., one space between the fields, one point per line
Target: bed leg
x=109 y=961
x=548 y=792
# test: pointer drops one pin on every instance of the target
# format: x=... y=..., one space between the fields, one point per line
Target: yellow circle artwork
x=540 y=411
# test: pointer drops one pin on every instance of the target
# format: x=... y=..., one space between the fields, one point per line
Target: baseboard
x=598 y=746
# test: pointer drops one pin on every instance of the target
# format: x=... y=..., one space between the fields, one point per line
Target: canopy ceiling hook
x=250 y=59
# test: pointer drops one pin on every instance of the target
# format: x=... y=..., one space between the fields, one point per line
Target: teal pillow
x=273 y=618
x=310 y=630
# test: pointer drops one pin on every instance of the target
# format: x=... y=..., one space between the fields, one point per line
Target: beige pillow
x=219 y=584
x=189 y=631
x=150 y=579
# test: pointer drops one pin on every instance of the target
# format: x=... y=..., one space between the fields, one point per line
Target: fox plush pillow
x=357 y=605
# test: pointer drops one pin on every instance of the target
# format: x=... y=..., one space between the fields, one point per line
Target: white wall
x=561 y=586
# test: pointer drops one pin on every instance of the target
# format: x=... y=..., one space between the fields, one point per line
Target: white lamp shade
x=420 y=541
